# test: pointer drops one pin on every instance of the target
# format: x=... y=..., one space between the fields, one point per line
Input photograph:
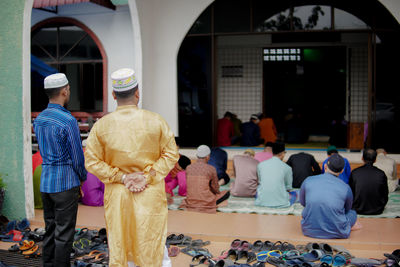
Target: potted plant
x=2 y=190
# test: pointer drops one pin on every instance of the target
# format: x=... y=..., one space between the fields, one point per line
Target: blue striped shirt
x=60 y=146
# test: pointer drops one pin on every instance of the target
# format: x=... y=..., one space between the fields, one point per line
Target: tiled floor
x=377 y=236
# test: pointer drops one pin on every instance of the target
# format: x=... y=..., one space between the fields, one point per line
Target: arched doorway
x=231 y=33
x=66 y=45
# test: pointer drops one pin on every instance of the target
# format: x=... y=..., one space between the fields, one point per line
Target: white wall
x=163 y=26
x=393 y=6
x=113 y=28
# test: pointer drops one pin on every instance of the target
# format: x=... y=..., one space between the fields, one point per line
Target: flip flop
x=257 y=246
x=232 y=255
x=292 y=254
x=276 y=262
x=311 y=246
x=27 y=245
x=287 y=246
x=235 y=244
x=199 y=243
x=313 y=255
x=338 y=260
x=198 y=259
x=244 y=245
x=175 y=239
x=277 y=245
x=245 y=256
x=326 y=248
x=14 y=248
x=328 y=259
x=187 y=241
x=262 y=256
x=223 y=263
x=32 y=253
x=173 y=251
x=268 y=245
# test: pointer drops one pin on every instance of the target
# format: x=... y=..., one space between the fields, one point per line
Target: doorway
x=305 y=92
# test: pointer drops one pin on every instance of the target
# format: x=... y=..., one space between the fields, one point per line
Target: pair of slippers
x=239 y=256
x=37 y=235
x=13 y=236
x=237 y=244
x=336 y=261
x=192 y=251
x=268 y=245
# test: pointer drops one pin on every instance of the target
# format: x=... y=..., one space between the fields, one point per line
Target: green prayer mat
x=246 y=205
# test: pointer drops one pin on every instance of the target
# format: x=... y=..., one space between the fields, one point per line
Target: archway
x=67 y=45
x=249 y=25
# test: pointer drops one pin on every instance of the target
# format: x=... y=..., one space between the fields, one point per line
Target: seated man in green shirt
x=275 y=180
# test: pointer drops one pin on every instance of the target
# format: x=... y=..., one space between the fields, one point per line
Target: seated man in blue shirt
x=327 y=202
x=219 y=159
x=345 y=174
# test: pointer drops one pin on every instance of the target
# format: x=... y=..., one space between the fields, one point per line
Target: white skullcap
x=56 y=80
x=203 y=151
x=123 y=80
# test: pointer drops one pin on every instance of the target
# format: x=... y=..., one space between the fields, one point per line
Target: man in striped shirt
x=63 y=171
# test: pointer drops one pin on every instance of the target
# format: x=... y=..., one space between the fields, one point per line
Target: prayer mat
x=246 y=205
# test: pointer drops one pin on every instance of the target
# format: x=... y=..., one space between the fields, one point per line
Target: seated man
x=303 y=165
x=267 y=128
x=369 y=186
x=246 y=180
x=225 y=130
x=327 y=203
x=251 y=132
x=275 y=180
x=219 y=159
x=177 y=176
x=203 y=193
x=266 y=154
x=388 y=165
x=344 y=176
x=93 y=191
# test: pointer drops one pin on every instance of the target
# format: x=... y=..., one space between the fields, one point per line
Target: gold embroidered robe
x=125 y=141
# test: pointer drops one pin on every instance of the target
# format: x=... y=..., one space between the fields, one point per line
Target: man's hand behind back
x=135 y=182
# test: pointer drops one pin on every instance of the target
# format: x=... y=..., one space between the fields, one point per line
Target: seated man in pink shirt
x=177 y=176
x=246 y=179
x=266 y=154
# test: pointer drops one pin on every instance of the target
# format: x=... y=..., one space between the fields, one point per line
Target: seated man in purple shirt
x=93 y=191
x=246 y=179
x=327 y=202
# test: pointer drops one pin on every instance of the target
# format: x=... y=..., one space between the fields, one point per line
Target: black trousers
x=59 y=212
x=224 y=197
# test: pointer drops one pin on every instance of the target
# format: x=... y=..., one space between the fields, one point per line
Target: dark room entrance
x=305 y=91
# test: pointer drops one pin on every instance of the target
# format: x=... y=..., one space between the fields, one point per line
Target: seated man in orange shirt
x=267 y=129
x=202 y=186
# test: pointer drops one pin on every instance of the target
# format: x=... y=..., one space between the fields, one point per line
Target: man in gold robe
x=131 y=150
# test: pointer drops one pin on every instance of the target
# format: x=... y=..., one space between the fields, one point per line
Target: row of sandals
x=280 y=254
x=88 y=249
